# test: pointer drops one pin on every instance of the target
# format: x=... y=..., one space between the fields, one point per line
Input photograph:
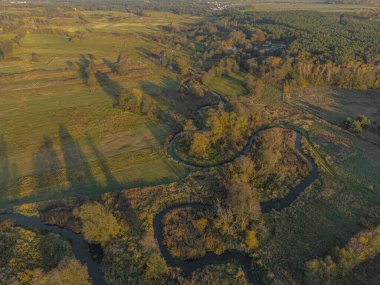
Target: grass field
x=336 y=105
x=337 y=206
x=229 y=85
x=354 y=156
x=59 y=137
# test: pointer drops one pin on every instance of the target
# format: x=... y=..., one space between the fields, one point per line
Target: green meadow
x=229 y=85
x=58 y=136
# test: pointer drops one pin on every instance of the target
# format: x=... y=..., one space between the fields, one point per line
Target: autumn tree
x=189 y=126
x=268 y=148
x=255 y=86
x=122 y=63
x=319 y=271
x=132 y=100
x=226 y=131
x=251 y=239
x=241 y=170
x=156 y=267
x=182 y=64
x=98 y=224
x=196 y=89
x=244 y=203
x=361 y=248
x=206 y=78
x=227 y=127
x=200 y=145
x=68 y=272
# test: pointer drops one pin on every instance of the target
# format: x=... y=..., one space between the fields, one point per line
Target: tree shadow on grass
x=169 y=94
x=112 y=65
x=83 y=63
x=9 y=171
x=112 y=88
x=46 y=166
x=158 y=130
x=127 y=213
x=324 y=114
x=147 y=54
x=78 y=171
x=4 y=165
x=161 y=94
x=101 y=159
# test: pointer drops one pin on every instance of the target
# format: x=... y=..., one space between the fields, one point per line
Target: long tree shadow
x=127 y=213
x=4 y=165
x=83 y=63
x=9 y=171
x=110 y=179
x=169 y=94
x=46 y=166
x=78 y=171
x=112 y=88
x=112 y=65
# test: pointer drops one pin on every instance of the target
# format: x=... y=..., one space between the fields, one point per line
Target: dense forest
x=293 y=49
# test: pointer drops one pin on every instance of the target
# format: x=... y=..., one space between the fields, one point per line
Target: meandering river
x=189 y=266
x=81 y=247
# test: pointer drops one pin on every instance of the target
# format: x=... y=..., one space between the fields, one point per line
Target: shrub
x=357 y=125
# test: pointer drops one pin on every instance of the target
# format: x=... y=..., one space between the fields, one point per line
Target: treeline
x=292 y=49
x=301 y=73
x=6 y=48
x=323 y=37
x=137 y=7
x=360 y=2
x=333 y=269
x=137 y=102
x=10 y=22
x=71 y=36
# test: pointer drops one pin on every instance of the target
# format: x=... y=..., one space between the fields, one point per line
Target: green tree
x=365 y=122
x=356 y=127
x=53 y=249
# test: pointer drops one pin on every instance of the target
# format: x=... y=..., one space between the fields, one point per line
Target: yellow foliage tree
x=98 y=225
x=68 y=272
x=251 y=239
x=201 y=224
x=200 y=145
